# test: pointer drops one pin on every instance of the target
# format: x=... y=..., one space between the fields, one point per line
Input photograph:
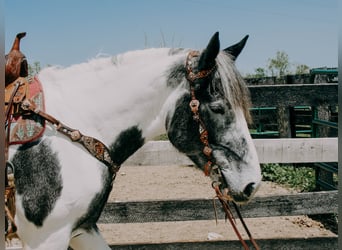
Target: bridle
x=210 y=169
x=194 y=106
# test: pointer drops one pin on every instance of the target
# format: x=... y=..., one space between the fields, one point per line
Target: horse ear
x=236 y=49
x=208 y=56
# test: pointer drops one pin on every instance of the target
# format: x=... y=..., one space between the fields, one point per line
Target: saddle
x=22 y=126
x=25 y=122
x=16 y=90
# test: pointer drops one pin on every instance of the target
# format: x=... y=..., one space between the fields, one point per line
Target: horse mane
x=233 y=86
x=104 y=62
x=228 y=79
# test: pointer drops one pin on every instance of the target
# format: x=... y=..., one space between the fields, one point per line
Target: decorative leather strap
x=95 y=147
x=194 y=106
x=211 y=169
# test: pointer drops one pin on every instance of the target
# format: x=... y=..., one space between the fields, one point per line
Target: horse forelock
x=228 y=78
x=233 y=86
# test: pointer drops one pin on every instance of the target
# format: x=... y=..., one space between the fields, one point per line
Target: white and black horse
x=124 y=101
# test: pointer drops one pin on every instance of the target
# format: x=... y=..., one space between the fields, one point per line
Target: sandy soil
x=176 y=182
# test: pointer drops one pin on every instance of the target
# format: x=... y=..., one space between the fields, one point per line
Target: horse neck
x=102 y=98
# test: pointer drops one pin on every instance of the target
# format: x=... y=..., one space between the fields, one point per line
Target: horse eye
x=217 y=107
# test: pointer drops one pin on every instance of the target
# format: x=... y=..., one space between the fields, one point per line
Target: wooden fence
x=297 y=150
x=288 y=95
x=269 y=150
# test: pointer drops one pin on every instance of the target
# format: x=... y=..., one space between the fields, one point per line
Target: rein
x=209 y=168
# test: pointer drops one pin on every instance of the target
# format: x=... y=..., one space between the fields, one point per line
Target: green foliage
x=300 y=178
x=258 y=73
x=302 y=69
x=279 y=65
x=33 y=69
x=162 y=137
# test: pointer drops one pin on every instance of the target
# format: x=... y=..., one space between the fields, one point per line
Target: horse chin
x=230 y=194
x=242 y=199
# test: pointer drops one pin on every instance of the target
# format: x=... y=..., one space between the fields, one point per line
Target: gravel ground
x=177 y=182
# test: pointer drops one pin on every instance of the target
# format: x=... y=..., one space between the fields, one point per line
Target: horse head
x=16 y=64
x=223 y=112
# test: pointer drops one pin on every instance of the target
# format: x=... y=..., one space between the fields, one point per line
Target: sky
x=67 y=32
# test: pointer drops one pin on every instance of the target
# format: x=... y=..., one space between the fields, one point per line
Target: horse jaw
x=239 y=167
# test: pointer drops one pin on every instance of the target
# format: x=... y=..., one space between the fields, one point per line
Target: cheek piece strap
x=211 y=169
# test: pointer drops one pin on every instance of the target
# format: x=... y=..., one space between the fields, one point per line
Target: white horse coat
x=125 y=101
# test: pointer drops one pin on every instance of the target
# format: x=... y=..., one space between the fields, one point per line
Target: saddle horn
x=16 y=43
x=16 y=63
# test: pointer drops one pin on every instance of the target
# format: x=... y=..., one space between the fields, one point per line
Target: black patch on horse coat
x=127 y=142
x=175 y=75
x=182 y=130
x=88 y=220
x=37 y=180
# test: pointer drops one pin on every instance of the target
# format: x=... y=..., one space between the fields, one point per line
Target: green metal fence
x=265 y=126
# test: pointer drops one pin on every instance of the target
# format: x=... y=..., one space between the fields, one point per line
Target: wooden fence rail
x=269 y=151
x=294 y=94
x=324 y=202
x=318 y=243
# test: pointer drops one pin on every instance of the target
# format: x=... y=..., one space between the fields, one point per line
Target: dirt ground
x=176 y=182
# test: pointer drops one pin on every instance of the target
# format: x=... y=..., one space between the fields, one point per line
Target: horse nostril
x=249 y=189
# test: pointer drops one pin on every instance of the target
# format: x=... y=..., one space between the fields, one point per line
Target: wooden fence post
x=323 y=113
x=283 y=120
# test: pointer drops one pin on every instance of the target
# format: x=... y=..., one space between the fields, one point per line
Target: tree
x=279 y=65
x=260 y=72
x=34 y=69
x=302 y=69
